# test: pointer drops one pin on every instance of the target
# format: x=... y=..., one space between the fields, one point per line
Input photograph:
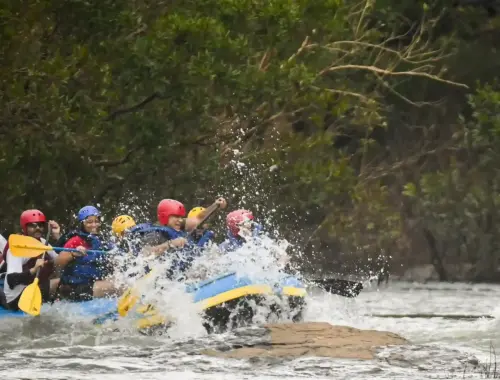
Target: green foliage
x=101 y=99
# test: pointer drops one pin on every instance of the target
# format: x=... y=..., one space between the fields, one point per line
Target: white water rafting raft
x=227 y=301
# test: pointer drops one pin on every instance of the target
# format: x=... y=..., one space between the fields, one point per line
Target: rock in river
x=312 y=339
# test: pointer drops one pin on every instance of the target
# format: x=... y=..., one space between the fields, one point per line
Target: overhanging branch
x=377 y=70
x=112 y=163
x=133 y=108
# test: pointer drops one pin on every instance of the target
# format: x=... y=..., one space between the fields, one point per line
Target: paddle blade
x=342 y=288
x=127 y=302
x=155 y=320
x=26 y=246
x=130 y=297
x=31 y=299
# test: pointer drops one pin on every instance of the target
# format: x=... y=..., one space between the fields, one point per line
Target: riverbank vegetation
x=367 y=131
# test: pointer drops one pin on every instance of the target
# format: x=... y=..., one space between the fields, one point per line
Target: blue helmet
x=87 y=211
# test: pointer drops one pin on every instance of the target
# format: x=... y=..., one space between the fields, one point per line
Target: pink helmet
x=235 y=218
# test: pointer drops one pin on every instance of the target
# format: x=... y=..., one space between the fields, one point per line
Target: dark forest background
x=365 y=132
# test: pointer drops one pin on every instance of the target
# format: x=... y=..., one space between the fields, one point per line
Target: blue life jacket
x=203 y=240
x=233 y=242
x=134 y=236
x=147 y=233
x=89 y=268
x=182 y=259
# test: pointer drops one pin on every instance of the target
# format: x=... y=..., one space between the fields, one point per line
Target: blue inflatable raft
x=227 y=301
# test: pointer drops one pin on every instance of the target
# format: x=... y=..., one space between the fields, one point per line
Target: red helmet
x=31 y=216
x=169 y=207
x=234 y=218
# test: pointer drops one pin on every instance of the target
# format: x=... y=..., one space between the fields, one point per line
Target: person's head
x=121 y=224
x=171 y=213
x=33 y=223
x=239 y=221
x=90 y=219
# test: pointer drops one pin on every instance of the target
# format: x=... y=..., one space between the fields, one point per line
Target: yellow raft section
x=152 y=318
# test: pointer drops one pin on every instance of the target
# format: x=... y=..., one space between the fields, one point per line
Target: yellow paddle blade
x=31 y=299
x=130 y=298
x=127 y=302
x=26 y=246
x=146 y=309
x=152 y=321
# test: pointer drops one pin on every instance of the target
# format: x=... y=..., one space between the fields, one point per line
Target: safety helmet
x=196 y=211
x=31 y=216
x=167 y=208
x=235 y=218
x=87 y=211
x=121 y=224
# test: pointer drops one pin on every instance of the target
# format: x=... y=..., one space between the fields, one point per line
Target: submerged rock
x=313 y=339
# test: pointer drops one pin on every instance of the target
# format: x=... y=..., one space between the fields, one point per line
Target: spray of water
x=262 y=260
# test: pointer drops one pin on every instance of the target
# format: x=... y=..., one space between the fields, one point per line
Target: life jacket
x=89 y=268
x=233 y=242
x=203 y=239
x=45 y=271
x=149 y=234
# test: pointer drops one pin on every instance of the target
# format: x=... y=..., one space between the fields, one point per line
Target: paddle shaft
x=62 y=249
x=207 y=214
x=49 y=230
x=340 y=287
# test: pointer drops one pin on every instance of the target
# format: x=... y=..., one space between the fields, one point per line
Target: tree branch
x=347 y=93
x=133 y=108
x=377 y=70
x=112 y=163
x=409 y=58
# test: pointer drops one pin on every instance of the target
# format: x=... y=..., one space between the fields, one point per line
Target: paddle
x=342 y=288
x=26 y=246
x=130 y=297
x=31 y=299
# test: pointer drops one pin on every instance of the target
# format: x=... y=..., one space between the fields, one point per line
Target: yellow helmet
x=122 y=223
x=195 y=212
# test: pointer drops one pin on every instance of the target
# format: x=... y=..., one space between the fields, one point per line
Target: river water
x=62 y=346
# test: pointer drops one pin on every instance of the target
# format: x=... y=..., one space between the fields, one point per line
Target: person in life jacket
x=84 y=274
x=127 y=241
x=172 y=234
x=21 y=271
x=201 y=235
x=120 y=226
x=240 y=227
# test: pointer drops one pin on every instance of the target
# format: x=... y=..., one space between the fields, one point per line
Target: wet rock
x=314 y=339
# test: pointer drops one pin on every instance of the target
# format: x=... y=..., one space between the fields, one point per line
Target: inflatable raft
x=227 y=301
